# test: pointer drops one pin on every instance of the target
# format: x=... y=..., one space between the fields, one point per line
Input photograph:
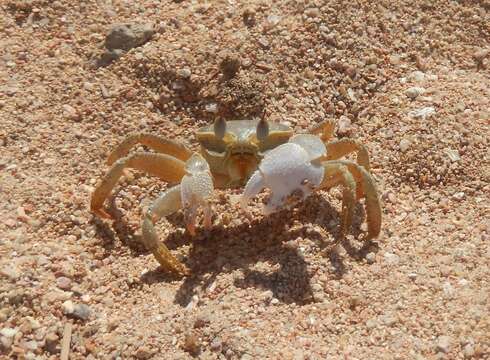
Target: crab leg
x=157 y=143
x=164 y=166
x=365 y=187
x=337 y=173
x=324 y=130
x=339 y=148
x=195 y=190
x=168 y=203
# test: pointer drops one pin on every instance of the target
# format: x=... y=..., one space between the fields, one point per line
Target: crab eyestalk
x=262 y=129
x=220 y=127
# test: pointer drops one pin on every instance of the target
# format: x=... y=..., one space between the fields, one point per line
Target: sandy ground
x=409 y=79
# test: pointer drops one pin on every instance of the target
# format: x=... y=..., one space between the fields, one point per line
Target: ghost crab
x=253 y=153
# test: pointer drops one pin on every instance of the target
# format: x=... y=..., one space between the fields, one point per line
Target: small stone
x=422 y=113
x=216 y=344
x=404 y=145
x=312 y=12
x=355 y=301
x=480 y=54
x=389 y=319
x=81 y=311
x=249 y=17
x=51 y=343
x=448 y=290
x=8 y=332
x=412 y=276
x=128 y=36
x=267 y=295
x=4 y=314
x=264 y=43
x=453 y=155
x=274 y=301
x=63 y=283
x=202 y=320
x=68 y=307
x=107 y=57
x=414 y=92
x=70 y=112
x=10 y=272
x=212 y=108
x=143 y=353
x=391 y=259
x=443 y=344
x=469 y=351
x=417 y=76
x=459 y=196
x=49 y=161
x=316 y=287
x=371 y=258
x=184 y=73
x=192 y=344
x=271 y=21
x=344 y=127
x=6 y=342
x=30 y=345
x=371 y=323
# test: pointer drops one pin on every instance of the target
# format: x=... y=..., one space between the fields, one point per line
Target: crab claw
x=289 y=171
x=196 y=190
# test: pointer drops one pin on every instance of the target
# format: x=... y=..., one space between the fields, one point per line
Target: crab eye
x=262 y=129
x=220 y=128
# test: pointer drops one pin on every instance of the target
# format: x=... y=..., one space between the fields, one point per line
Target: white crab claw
x=288 y=171
x=313 y=145
x=196 y=190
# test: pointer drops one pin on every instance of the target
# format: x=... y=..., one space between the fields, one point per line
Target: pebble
x=70 y=112
x=414 y=92
x=6 y=342
x=448 y=290
x=128 y=36
x=81 y=311
x=68 y=307
x=202 y=320
x=459 y=196
x=344 y=125
x=30 y=345
x=312 y=12
x=8 y=332
x=404 y=145
x=10 y=272
x=143 y=353
x=417 y=76
x=443 y=344
x=422 y=113
x=51 y=343
x=212 y=108
x=391 y=259
x=370 y=257
x=469 y=351
x=63 y=283
x=192 y=344
x=453 y=155
x=216 y=344
x=264 y=43
x=271 y=21
x=184 y=73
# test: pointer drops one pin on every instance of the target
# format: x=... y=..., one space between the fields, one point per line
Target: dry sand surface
x=409 y=79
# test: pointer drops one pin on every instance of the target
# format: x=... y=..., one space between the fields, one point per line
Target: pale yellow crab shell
x=237 y=155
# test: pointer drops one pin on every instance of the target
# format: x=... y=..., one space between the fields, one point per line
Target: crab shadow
x=264 y=253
